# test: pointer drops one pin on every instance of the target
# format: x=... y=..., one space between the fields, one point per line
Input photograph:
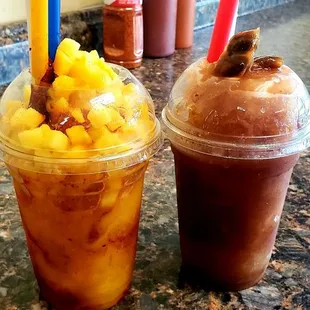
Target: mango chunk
x=63 y=86
x=45 y=129
x=129 y=131
x=106 y=68
x=94 y=56
x=81 y=98
x=78 y=115
x=58 y=141
x=69 y=47
x=115 y=184
x=12 y=106
x=62 y=63
x=99 y=117
x=109 y=139
x=116 y=120
x=78 y=135
x=51 y=93
x=54 y=140
x=84 y=56
x=97 y=133
x=108 y=200
x=32 y=138
x=91 y=74
x=61 y=105
x=65 y=56
x=129 y=89
x=26 y=118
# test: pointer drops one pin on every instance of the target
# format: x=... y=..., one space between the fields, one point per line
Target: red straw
x=222 y=28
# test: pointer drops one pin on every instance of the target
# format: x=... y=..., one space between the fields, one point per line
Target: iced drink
x=77 y=151
x=236 y=127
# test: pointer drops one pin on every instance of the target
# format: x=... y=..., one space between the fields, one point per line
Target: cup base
x=65 y=301
x=195 y=277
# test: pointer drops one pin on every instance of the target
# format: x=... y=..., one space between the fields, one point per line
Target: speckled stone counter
x=156 y=284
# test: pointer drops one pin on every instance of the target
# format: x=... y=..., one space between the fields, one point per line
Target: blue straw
x=53 y=27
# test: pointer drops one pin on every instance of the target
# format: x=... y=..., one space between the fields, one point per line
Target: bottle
x=159 y=17
x=185 y=23
x=123 y=32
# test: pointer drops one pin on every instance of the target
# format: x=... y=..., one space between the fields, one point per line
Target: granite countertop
x=286 y=284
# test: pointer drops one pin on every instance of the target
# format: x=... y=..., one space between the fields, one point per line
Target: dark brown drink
x=229 y=212
x=236 y=128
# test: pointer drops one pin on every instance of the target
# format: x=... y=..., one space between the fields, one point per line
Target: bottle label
x=123 y=3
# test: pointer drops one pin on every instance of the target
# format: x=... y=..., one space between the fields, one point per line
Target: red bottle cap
x=123 y=3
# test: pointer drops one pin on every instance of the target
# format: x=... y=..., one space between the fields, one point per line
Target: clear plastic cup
x=235 y=142
x=80 y=207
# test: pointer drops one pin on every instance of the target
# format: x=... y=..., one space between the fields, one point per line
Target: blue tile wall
x=13 y=59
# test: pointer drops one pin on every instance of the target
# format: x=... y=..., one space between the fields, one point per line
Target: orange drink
x=77 y=151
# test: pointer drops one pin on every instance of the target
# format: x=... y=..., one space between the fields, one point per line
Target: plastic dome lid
x=115 y=125
x=258 y=115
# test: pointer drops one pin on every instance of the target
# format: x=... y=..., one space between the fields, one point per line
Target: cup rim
x=118 y=160
x=236 y=148
x=139 y=148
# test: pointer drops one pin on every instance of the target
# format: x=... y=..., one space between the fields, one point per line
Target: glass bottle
x=123 y=32
x=159 y=27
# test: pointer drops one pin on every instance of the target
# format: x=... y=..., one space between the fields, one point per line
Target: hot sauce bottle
x=123 y=32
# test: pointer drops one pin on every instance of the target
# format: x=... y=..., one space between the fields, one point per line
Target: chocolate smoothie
x=236 y=127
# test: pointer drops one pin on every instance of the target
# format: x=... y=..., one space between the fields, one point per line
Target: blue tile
x=13 y=59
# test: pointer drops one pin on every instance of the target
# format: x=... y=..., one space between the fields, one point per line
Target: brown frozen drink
x=236 y=127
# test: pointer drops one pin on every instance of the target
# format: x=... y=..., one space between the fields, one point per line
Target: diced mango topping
x=65 y=56
x=32 y=138
x=62 y=64
x=99 y=117
x=116 y=120
x=59 y=105
x=78 y=135
x=105 y=67
x=13 y=106
x=88 y=105
x=63 y=86
x=81 y=98
x=90 y=74
x=69 y=47
x=78 y=115
x=54 y=140
x=129 y=89
x=26 y=118
x=108 y=140
x=95 y=133
x=94 y=56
